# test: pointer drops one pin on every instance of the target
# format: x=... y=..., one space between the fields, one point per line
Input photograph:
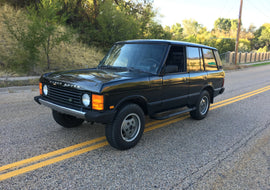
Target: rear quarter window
x=219 y=63
x=209 y=60
x=194 y=59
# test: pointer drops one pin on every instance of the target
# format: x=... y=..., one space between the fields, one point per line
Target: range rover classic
x=137 y=78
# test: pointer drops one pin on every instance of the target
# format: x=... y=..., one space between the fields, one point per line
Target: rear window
x=209 y=60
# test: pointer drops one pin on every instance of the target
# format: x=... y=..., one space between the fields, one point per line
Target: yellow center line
x=239 y=98
x=51 y=161
x=57 y=152
x=149 y=127
x=50 y=154
x=242 y=95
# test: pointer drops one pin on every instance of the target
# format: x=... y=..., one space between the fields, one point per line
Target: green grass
x=261 y=64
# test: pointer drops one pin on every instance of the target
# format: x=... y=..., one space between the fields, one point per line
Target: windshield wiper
x=112 y=67
x=104 y=66
x=136 y=69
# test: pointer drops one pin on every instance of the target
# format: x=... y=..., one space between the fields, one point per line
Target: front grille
x=65 y=96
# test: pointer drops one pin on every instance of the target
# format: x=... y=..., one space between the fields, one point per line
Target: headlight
x=86 y=100
x=45 y=90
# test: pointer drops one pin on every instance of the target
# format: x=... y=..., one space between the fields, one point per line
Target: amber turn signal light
x=97 y=102
x=40 y=88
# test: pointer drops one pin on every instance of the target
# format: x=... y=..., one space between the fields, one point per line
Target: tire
x=202 y=106
x=127 y=127
x=65 y=120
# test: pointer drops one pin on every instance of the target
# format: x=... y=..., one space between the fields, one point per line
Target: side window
x=176 y=59
x=194 y=59
x=209 y=60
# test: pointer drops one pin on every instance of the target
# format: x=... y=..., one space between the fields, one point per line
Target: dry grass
x=7 y=43
x=73 y=55
x=234 y=67
x=28 y=82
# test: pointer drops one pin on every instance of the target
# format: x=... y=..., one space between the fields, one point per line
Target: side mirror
x=171 y=69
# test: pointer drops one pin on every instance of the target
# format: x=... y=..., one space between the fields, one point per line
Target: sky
x=205 y=12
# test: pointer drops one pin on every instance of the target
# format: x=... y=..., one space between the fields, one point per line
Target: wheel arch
x=139 y=100
x=210 y=91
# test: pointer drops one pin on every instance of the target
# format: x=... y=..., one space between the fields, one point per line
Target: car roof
x=169 y=42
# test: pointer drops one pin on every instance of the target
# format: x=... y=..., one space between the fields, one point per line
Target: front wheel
x=202 y=106
x=127 y=127
x=65 y=120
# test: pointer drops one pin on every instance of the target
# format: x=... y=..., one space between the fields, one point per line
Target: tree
x=156 y=31
x=265 y=35
x=94 y=18
x=234 y=24
x=224 y=45
x=203 y=36
x=25 y=54
x=114 y=25
x=244 y=45
x=20 y=3
x=223 y=24
x=177 y=32
x=46 y=21
x=251 y=28
x=191 y=28
x=43 y=30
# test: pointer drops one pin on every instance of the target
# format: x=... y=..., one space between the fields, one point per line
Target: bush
x=16 y=59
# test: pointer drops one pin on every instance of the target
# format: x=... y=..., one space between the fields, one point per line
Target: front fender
x=135 y=99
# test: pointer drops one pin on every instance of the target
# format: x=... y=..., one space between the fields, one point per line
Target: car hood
x=92 y=79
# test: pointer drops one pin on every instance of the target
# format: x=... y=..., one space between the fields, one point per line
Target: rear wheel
x=202 y=106
x=65 y=120
x=127 y=127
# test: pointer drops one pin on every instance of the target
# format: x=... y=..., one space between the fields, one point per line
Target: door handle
x=185 y=79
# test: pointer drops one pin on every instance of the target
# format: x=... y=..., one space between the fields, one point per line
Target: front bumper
x=93 y=116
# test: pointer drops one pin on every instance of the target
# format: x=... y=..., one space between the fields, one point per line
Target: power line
x=224 y=7
x=232 y=9
x=260 y=10
x=266 y=5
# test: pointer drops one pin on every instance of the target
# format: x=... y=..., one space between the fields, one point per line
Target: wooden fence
x=229 y=57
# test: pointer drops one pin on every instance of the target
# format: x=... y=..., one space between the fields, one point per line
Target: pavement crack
x=189 y=180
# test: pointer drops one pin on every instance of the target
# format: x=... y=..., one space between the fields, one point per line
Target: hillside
x=72 y=55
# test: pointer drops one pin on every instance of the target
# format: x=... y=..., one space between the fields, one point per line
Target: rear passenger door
x=175 y=81
x=197 y=73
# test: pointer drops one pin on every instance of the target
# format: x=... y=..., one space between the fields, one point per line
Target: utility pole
x=238 y=32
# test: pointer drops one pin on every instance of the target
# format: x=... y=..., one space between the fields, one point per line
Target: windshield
x=144 y=57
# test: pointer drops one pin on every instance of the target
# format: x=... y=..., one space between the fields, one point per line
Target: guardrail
x=228 y=58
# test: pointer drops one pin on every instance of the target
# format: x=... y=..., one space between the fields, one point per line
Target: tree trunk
x=48 y=61
x=47 y=51
x=96 y=11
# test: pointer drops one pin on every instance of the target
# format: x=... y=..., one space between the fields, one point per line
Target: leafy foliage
x=115 y=25
x=41 y=31
x=28 y=41
x=50 y=23
x=265 y=35
x=46 y=23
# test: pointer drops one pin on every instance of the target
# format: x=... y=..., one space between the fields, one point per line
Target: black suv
x=136 y=78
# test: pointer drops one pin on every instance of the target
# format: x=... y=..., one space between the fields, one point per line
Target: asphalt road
x=230 y=149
